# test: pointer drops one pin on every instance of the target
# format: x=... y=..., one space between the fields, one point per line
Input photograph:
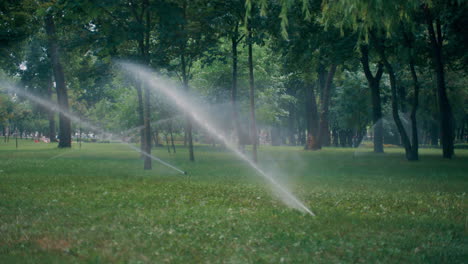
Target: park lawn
x=97 y=205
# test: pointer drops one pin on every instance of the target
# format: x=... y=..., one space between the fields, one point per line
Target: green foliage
x=350 y=105
x=364 y=16
x=16 y=25
x=319 y=33
x=271 y=104
x=6 y=108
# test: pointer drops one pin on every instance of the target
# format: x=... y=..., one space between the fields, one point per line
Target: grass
x=97 y=205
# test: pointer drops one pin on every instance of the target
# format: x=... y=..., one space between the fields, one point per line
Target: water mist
x=185 y=103
x=54 y=107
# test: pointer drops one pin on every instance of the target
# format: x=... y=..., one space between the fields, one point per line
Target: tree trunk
x=253 y=126
x=324 y=130
x=445 y=110
x=156 y=138
x=395 y=113
x=51 y=114
x=235 y=115
x=62 y=96
x=147 y=129
x=80 y=131
x=335 y=137
x=374 y=86
x=414 y=125
x=167 y=143
x=172 y=137
x=463 y=130
x=393 y=86
x=188 y=120
x=16 y=137
x=359 y=136
x=349 y=138
x=415 y=102
x=275 y=136
x=291 y=127
x=144 y=46
x=141 y=119
x=312 y=119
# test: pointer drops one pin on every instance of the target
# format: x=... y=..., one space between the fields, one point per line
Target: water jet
x=180 y=98
x=54 y=107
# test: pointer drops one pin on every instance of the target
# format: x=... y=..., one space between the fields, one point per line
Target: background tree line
x=310 y=73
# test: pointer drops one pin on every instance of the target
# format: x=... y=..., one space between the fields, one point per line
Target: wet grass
x=97 y=205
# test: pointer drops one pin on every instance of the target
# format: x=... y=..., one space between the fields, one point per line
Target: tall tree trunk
x=463 y=129
x=145 y=21
x=408 y=37
x=291 y=127
x=374 y=87
x=167 y=143
x=253 y=126
x=445 y=110
x=235 y=115
x=395 y=113
x=141 y=118
x=324 y=130
x=172 y=137
x=335 y=137
x=188 y=137
x=307 y=117
x=188 y=120
x=51 y=113
x=147 y=109
x=414 y=124
x=312 y=122
x=156 y=138
x=62 y=96
x=434 y=131
x=16 y=137
x=300 y=130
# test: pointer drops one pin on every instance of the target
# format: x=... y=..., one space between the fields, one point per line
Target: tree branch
x=113 y=17
x=134 y=11
x=440 y=38
x=380 y=70
x=365 y=62
x=240 y=38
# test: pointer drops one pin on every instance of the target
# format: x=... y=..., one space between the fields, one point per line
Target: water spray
x=52 y=106
x=168 y=89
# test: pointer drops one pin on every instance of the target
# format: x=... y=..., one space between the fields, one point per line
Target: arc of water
x=183 y=103
x=54 y=107
x=137 y=128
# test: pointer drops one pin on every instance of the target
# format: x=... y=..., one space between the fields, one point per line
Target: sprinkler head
x=185 y=173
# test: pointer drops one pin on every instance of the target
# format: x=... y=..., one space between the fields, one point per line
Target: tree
x=376 y=21
x=434 y=13
x=442 y=20
x=350 y=113
x=252 y=20
x=374 y=86
x=230 y=15
x=37 y=76
x=186 y=35
x=253 y=129
x=17 y=23
x=410 y=154
x=62 y=96
x=125 y=23
x=316 y=52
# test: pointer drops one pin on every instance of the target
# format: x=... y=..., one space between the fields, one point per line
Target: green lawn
x=97 y=205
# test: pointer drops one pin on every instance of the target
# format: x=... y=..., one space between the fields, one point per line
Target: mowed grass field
x=97 y=205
